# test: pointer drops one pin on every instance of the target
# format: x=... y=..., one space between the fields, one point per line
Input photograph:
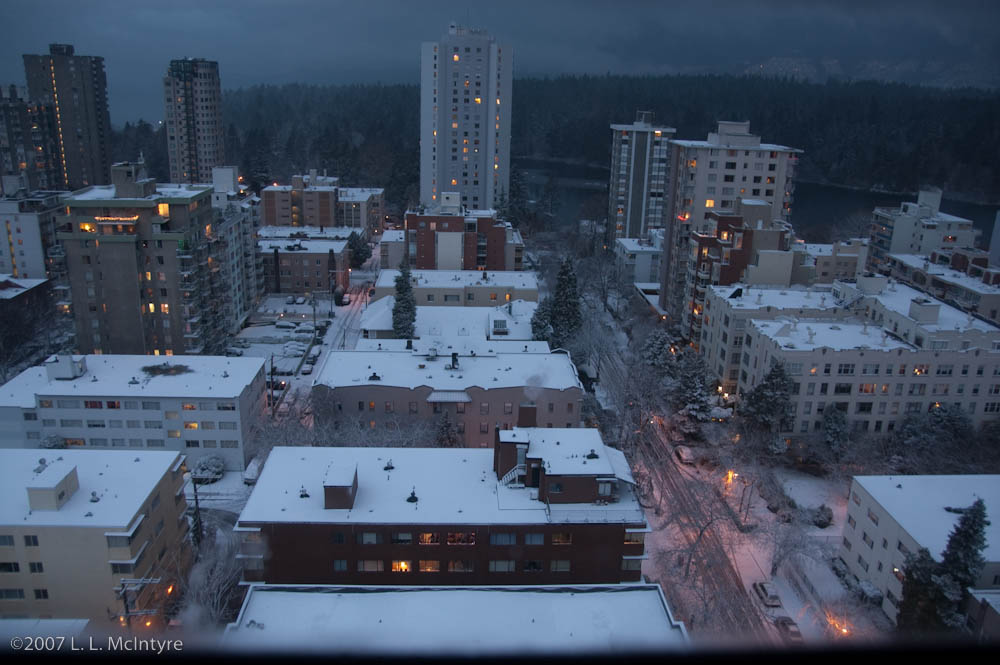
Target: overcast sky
x=333 y=41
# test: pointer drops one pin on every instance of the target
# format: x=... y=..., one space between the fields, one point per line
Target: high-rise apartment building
x=640 y=169
x=195 y=137
x=138 y=256
x=76 y=86
x=714 y=175
x=29 y=146
x=465 y=95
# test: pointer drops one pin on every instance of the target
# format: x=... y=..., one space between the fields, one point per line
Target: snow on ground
x=811 y=492
x=229 y=493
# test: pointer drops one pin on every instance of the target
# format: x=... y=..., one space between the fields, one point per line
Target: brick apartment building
x=545 y=506
x=295 y=265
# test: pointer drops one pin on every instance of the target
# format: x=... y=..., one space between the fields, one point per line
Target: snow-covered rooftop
x=898 y=297
x=637 y=245
x=357 y=194
x=12 y=287
x=112 y=376
x=792 y=297
x=917 y=504
x=459 y=322
x=451 y=621
x=394 y=235
x=317 y=232
x=310 y=246
x=409 y=370
x=464 y=346
x=816 y=249
x=564 y=452
x=946 y=274
x=837 y=335
x=458 y=278
x=770 y=147
x=452 y=485
x=163 y=190
x=42 y=627
x=121 y=479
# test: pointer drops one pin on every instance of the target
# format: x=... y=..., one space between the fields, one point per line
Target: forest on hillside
x=859 y=134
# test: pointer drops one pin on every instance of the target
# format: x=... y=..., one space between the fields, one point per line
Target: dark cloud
x=343 y=42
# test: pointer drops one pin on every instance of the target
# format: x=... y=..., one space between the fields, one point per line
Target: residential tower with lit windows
x=465 y=102
x=193 y=99
x=640 y=168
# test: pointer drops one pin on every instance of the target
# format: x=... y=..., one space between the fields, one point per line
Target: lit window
x=455 y=57
x=709 y=203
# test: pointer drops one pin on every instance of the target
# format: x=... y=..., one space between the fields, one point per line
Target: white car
x=346 y=300
x=306 y=369
x=300 y=301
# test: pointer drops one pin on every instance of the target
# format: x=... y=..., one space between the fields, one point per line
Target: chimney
x=340 y=486
x=65 y=367
x=923 y=310
x=454 y=360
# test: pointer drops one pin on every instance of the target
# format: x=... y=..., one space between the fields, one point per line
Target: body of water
x=817 y=212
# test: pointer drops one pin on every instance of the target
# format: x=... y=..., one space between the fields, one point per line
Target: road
x=653 y=452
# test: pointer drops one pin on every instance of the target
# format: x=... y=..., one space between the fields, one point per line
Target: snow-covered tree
x=836 y=433
x=765 y=407
x=446 y=435
x=404 y=310
x=541 y=329
x=963 y=557
x=213 y=583
x=564 y=316
x=690 y=395
x=659 y=350
x=359 y=250
x=917 y=608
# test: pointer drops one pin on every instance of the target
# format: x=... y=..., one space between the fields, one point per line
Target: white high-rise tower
x=465 y=94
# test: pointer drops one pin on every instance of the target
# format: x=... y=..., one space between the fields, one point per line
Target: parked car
x=276 y=384
x=788 y=630
x=252 y=471
x=306 y=369
x=290 y=300
x=371 y=293
x=684 y=455
x=346 y=300
x=233 y=351
x=285 y=324
x=300 y=301
x=767 y=594
x=241 y=343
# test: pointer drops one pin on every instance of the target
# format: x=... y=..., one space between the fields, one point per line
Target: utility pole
x=196 y=533
x=136 y=584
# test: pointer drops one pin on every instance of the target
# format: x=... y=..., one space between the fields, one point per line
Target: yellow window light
x=709 y=203
x=455 y=57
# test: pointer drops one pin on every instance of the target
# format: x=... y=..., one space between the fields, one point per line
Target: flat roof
x=439 y=279
x=357 y=194
x=613 y=619
x=635 y=245
x=411 y=370
x=394 y=235
x=316 y=232
x=768 y=147
x=897 y=297
x=945 y=274
x=42 y=627
x=792 y=297
x=309 y=246
x=918 y=504
x=564 y=451
x=121 y=479
x=462 y=345
x=453 y=486
x=112 y=375
x=838 y=335
x=442 y=321
x=163 y=190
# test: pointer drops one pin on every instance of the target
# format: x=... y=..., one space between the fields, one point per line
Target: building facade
x=448 y=237
x=193 y=114
x=74 y=523
x=713 y=175
x=526 y=512
x=30 y=221
x=77 y=89
x=640 y=176
x=839 y=260
x=362 y=208
x=237 y=220
x=206 y=407
x=465 y=104
x=889 y=517
x=137 y=256
x=29 y=143
x=481 y=392
x=311 y=200
x=295 y=265
x=962 y=278
x=462 y=288
x=916 y=228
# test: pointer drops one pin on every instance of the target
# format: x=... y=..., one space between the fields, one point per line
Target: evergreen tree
x=541 y=329
x=565 y=317
x=404 y=310
x=656 y=350
x=835 y=430
x=360 y=251
x=918 y=606
x=690 y=395
x=447 y=435
x=766 y=406
x=963 y=558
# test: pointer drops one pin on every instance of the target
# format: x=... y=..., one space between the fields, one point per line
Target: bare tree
x=214 y=583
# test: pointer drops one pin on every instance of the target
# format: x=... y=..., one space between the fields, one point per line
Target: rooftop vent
x=134 y=381
x=413 y=496
x=374 y=377
x=303 y=494
x=94 y=498
x=388 y=466
x=592 y=454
